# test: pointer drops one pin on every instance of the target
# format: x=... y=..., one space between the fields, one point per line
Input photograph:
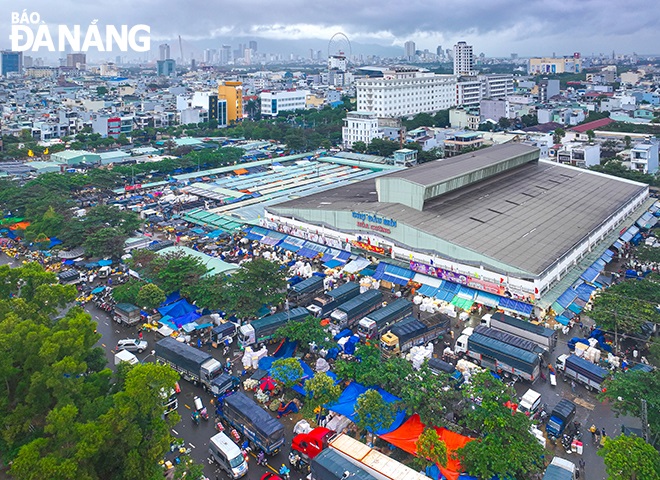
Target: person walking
x=593 y=431
x=140 y=334
x=573 y=386
x=581 y=464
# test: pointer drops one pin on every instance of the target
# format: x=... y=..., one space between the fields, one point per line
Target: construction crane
x=181 y=50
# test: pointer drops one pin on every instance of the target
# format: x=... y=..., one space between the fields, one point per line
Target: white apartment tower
x=359 y=127
x=409 y=48
x=463 y=59
x=405 y=91
x=164 y=51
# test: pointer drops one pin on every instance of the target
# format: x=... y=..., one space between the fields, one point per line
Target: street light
x=151 y=354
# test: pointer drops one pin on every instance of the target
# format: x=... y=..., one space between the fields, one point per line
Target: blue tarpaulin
x=333 y=263
x=347 y=402
x=584 y=291
x=567 y=297
x=215 y=233
x=286 y=349
x=182 y=320
x=98 y=290
x=104 y=263
x=516 y=306
x=68 y=262
x=562 y=319
x=54 y=241
x=178 y=309
x=380 y=270
x=397 y=275
x=171 y=298
x=590 y=275
x=427 y=291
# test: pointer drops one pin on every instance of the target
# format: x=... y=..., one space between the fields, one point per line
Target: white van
x=227 y=455
x=529 y=402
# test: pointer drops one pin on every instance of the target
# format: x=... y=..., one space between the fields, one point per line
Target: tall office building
x=76 y=60
x=463 y=59
x=10 y=62
x=164 y=51
x=409 y=48
x=253 y=46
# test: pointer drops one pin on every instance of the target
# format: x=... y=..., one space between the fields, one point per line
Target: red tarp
x=405 y=437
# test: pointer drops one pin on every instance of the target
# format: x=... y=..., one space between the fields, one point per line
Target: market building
x=499 y=221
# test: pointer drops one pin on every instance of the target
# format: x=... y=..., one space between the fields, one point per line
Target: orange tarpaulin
x=20 y=226
x=405 y=437
x=240 y=171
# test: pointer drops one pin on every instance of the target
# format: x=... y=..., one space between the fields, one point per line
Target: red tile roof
x=592 y=125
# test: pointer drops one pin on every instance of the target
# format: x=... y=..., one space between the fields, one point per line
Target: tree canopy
x=630 y=458
x=627 y=306
x=373 y=412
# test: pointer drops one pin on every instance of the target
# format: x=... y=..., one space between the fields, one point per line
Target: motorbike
x=261 y=459
x=195 y=417
x=200 y=408
x=285 y=472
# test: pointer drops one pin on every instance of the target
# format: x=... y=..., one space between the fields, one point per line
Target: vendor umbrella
x=267 y=384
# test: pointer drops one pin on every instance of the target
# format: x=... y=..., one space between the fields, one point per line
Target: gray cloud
x=495 y=27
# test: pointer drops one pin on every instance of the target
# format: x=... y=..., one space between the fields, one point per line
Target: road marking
x=193 y=446
x=584 y=403
x=116 y=331
x=175 y=432
x=186 y=405
x=267 y=464
x=97 y=317
x=103 y=345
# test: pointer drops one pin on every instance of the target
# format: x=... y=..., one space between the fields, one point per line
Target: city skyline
x=535 y=28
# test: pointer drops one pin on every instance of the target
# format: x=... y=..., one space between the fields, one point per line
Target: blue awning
x=575 y=308
x=307 y=252
x=630 y=233
x=567 y=297
x=332 y=263
x=344 y=255
x=252 y=235
x=444 y=295
x=562 y=319
x=466 y=292
x=488 y=299
x=558 y=309
x=584 y=291
x=607 y=256
x=380 y=270
x=427 y=291
x=590 y=275
x=104 y=263
x=647 y=221
x=398 y=275
x=288 y=246
x=516 y=306
x=618 y=244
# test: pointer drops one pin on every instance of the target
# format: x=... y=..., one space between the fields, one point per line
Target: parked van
x=227 y=455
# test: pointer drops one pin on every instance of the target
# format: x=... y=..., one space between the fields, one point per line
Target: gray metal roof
x=441 y=170
x=526 y=218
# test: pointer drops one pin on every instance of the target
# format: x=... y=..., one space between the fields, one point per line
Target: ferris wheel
x=339 y=46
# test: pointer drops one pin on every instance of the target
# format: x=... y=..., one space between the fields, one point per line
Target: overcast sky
x=494 y=27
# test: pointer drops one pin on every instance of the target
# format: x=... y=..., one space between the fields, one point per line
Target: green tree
x=101 y=90
x=558 y=135
x=372 y=412
x=309 y=330
x=362 y=367
x=628 y=141
x=431 y=450
x=128 y=292
x=591 y=135
x=648 y=254
x=384 y=148
x=322 y=390
x=625 y=307
x=359 y=147
x=259 y=282
x=188 y=469
x=506 y=447
x=150 y=296
x=106 y=242
x=286 y=371
x=625 y=390
x=504 y=123
x=175 y=271
x=630 y=458
x=207 y=292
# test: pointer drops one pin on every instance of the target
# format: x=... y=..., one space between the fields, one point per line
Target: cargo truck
x=250 y=419
x=326 y=303
x=511 y=339
x=562 y=415
x=374 y=324
x=545 y=337
x=194 y=365
x=503 y=358
x=411 y=332
x=438 y=366
x=331 y=465
x=263 y=329
x=348 y=313
x=560 y=469
x=375 y=463
x=304 y=292
x=127 y=314
x=309 y=445
x=582 y=371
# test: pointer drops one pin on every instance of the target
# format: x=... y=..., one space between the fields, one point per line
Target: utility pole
x=645 y=421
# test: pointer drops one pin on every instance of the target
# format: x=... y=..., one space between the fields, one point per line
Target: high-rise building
x=230 y=103
x=10 y=62
x=439 y=51
x=76 y=60
x=225 y=54
x=166 y=68
x=247 y=56
x=463 y=59
x=253 y=46
x=164 y=51
x=409 y=48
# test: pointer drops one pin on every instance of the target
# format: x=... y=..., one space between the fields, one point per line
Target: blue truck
x=562 y=415
x=582 y=371
x=326 y=303
x=438 y=366
x=500 y=357
x=250 y=419
x=304 y=292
